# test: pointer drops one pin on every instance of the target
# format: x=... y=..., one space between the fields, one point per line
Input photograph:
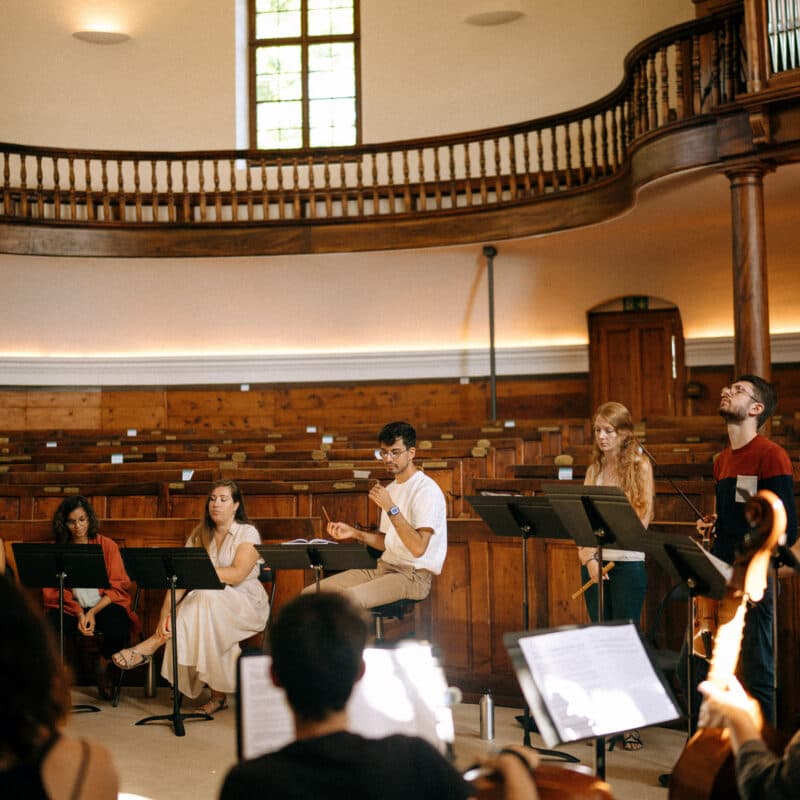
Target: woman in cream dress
x=210 y=623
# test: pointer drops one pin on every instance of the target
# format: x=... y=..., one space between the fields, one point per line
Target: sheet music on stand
x=589 y=680
x=409 y=674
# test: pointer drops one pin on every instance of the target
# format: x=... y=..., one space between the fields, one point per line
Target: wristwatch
x=393 y=511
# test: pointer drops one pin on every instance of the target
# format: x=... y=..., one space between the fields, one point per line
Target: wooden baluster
x=343 y=184
x=376 y=199
x=680 y=109
x=170 y=194
x=482 y=161
x=312 y=194
x=604 y=142
x=467 y=174
x=248 y=188
x=154 y=188
x=406 y=183
x=512 y=169
x=652 y=91
x=187 y=203
x=56 y=190
x=264 y=191
x=715 y=76
x=730 y=61
x=664 y=88
x=137 y=195
x=201 y=189
x=390 y=177
x=593 y=147
x=297 y=208
x=437 y=190
x=217 y=197
x=234 y=189
x=637 y=101
x=526 y=160
x=554 y=159
x=23 y=186
x=696 y=88
x=90 y=213
x=539 y=161
x=423 y=197
x=498 y=178
x=281 y=195
x=326 y=176
x=120 y=192
x=360 y=188
x=452 y=169
x=615 y=161
x=567 y=156
x=581 y=154
x=39 y=188
x=104 y=185
x=7 y=208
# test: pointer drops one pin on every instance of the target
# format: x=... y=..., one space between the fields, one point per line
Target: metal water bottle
x=487 y=716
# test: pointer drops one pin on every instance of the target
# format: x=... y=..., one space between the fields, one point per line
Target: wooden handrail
x=678 y=78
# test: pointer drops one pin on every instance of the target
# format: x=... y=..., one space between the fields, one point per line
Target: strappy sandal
x=130 y=658
x=632 y=741
x=215 y=704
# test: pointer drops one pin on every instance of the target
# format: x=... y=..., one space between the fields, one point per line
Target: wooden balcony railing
x=672 y=80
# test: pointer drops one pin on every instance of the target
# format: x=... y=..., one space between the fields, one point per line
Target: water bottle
x=487 y=716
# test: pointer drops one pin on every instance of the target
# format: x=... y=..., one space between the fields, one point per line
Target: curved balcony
x=682 y=104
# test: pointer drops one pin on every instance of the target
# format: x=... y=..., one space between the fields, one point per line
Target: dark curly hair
x=61 y=532
x=34 y=686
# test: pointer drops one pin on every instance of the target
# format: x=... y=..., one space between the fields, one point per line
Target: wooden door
x=637 y=359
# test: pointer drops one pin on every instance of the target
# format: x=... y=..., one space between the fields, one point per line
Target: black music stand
x=685 y=560
x=524 y=516
x=597 y=516
x=316 y=556
x=172 y=568
x=61 y=566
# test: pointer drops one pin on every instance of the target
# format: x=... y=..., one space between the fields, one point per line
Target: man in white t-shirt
x=412 y=532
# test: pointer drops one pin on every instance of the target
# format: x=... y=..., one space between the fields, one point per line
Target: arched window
x=304 y=73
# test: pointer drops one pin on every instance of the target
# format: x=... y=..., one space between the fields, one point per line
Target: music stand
x=685 y=560
x=61 y=566
x=316 y=556
x=172 y=568
x=524 y=516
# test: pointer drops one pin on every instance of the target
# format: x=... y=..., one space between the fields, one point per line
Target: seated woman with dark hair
x=89 y=611
x=211 y=623
x=36 y=759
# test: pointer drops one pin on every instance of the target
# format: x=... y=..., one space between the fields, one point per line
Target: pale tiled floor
x=155 y=763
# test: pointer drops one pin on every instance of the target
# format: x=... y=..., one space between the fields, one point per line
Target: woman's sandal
x=632 y=741
x=130 y=658
x=216 y=703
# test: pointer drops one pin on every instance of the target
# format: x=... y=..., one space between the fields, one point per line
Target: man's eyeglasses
x=382 y=455
x=737 y=389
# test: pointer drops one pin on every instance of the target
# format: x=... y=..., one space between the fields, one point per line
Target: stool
x=397 y=609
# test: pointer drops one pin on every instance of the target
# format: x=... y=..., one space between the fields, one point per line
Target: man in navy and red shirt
x=751 y=463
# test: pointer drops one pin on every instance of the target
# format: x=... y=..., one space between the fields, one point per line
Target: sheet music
x=403 y=691
x=596 y=680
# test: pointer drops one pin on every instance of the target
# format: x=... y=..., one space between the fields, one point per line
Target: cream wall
x=424 y=72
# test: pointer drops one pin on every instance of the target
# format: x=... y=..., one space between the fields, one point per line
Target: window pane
x=284 y=60
x=330 y=71
x=333 y=123
x=329 y=17
x=280 y=124
x=277 y=19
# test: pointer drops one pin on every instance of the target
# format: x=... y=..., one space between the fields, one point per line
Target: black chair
x=398 y=609
x=150 y=679
x=267 y=576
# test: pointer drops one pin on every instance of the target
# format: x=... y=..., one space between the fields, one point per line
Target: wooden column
x=750 y=301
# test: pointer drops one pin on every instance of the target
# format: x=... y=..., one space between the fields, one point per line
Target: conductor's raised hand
x=381 y=497
x=341 y=530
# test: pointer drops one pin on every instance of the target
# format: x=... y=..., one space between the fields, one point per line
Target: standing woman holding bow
x=210 y=623
x=617 y=460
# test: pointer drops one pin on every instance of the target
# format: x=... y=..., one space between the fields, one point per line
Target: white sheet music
x=403 y=691
x=596 y=680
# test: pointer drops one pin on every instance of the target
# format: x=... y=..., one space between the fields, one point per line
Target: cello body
x=553 y=782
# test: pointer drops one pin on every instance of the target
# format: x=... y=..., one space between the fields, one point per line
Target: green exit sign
x=634 y=303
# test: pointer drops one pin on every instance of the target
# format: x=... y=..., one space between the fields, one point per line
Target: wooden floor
x=154 y=763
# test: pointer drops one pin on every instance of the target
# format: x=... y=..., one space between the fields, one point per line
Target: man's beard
x=732 y=416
